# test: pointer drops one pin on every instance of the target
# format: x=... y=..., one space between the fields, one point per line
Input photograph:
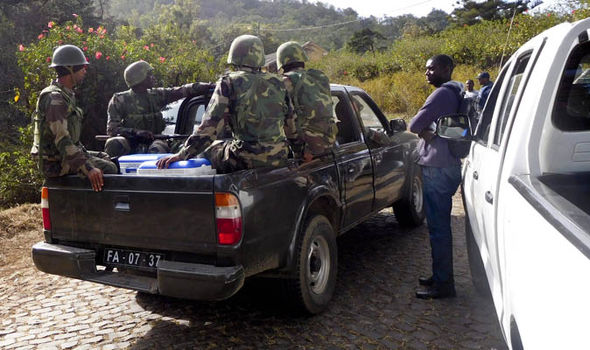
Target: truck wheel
x=478 y=272
x=316 y=267
x=409 y=210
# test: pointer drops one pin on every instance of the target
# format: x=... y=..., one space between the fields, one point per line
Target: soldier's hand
x=165 y=162
x=96 y=179
x=145 y=135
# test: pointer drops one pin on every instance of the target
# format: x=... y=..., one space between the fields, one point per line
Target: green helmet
x=136 y=72
x=246 y=50
x=290 y=52
x=68 y=56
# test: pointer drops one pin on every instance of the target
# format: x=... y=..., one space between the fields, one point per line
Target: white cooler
x=129 y=163
x=189 y=167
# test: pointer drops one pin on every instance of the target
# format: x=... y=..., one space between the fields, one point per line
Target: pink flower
x=123 y=57
x=98 y=55
x=573 y=12
x=41 y=36
x=68 y=28
x=108 y=58
x=85 y=48
x=75 y=15
x=345 y=73
x=59 y=42
x=21 y=47
x=162 y=59
x=90 y=30
x=549 y=15
x=102 y=36
x=83 y=43
x=48 y=59
x=146 y=48
x=152 y=45
x=79 y=30
x=50 y=24
x=87 y=59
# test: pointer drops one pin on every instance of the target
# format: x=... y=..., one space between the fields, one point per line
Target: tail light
x=45 y=208
x=228 y=218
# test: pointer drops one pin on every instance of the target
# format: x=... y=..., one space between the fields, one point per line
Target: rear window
x=572 y=107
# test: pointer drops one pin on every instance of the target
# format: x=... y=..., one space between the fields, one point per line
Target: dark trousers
x=440 y=184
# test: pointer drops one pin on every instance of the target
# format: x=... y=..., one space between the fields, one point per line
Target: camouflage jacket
x=129 y=111
x=57 y=128
x=256 y=107
x=309 y=91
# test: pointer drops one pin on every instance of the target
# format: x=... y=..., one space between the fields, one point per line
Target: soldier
x=58 y=122
x=254 y=103
x=309 y=91
x=135 y=115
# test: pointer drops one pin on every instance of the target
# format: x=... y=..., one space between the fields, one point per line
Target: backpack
x=467 y=106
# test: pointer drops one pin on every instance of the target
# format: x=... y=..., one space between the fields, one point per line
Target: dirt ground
x=20 y=228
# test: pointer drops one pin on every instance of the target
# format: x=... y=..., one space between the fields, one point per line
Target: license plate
x=131 y=258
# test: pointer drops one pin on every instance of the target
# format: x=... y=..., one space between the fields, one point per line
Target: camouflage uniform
x=57 y=127
x=254 y=104
x=129 y=111
x=309 y=92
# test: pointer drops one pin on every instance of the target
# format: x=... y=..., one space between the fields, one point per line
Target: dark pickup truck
x=199 y=237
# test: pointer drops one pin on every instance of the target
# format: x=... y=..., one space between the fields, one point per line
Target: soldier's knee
x=117 y=146
x=159 y=146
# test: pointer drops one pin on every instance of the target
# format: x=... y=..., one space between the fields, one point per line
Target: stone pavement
x=373 y=307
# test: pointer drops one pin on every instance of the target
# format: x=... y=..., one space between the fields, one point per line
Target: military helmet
x=136 y=72
x=290 y=52
x=246 y=50
x=68 y=56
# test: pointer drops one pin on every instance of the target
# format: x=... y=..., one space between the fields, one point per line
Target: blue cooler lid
x=181 y=164
x=141 y=157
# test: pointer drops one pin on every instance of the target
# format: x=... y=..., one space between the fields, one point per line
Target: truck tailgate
x=173 y=214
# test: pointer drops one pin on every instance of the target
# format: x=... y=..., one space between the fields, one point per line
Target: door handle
x=489 y=197
x=475 y=175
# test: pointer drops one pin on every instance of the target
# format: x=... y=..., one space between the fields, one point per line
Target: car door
x=386 y=153
x=484 y=165
x=354 y=162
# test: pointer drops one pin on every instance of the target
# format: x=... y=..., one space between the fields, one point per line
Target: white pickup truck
x=526 y=191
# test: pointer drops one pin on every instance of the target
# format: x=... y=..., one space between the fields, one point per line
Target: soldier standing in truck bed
x=309 y=91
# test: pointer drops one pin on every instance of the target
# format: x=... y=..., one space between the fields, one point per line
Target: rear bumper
x=175 y=279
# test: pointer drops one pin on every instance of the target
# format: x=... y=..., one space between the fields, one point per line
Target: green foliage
x=19 y=179
x=472 y=12
x=363 y=41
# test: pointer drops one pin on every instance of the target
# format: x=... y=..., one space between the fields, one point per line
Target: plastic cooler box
x=129 y=163
x=189 y=167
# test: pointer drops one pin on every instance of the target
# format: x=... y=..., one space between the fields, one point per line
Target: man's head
x=483 y=78
x=246 y=50
x=138 y=75
x=290 y=54
x=469 y=85
x=439 y=69
x=69 y=63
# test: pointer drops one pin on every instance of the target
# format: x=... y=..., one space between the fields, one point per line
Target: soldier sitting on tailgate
x=255 y=105
x=309 y=91
x=134 y=116
x=58 y=124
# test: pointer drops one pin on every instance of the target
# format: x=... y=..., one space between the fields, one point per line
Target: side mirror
x=397 y=125
x=454 y=126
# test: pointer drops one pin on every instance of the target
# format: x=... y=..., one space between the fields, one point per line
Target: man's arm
x=115 y=118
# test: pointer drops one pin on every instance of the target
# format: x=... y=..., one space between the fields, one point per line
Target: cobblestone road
x=373 y=307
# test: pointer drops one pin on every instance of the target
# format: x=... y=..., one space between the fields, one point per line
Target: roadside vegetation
x=187 y=40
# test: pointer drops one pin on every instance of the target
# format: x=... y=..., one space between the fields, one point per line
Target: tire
x=409 y=210
x=478 y=272
x=316 y=267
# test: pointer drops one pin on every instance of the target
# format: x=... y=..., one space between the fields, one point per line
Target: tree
x=473 y=12
x=364 y=40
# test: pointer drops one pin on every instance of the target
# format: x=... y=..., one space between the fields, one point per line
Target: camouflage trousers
x=119 y=146
x=100 y=160
x=230 y=155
